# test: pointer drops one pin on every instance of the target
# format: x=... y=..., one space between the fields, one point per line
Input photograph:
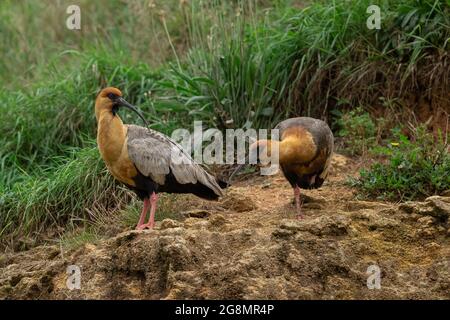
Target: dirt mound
x=257 y=250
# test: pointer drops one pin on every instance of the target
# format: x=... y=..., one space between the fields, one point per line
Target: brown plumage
x=145 y=160
x=305 y=150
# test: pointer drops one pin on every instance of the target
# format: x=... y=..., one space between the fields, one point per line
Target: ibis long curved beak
x=239 y=168
x=122 y=102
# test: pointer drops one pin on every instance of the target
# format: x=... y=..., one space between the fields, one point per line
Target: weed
x=357 y=130
x=415 y=168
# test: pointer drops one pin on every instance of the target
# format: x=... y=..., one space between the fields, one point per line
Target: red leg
x=298 y=205
x=143 y=213
x=151 y=221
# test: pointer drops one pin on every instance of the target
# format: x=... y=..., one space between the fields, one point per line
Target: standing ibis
x=305 y=150
x=145 y=160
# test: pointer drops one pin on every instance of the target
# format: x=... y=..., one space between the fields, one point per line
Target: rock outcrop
x=255 y=248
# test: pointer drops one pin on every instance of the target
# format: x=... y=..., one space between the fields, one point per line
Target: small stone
x=125 y=237
x=361 y=205
x=426 y=221
x=311 y=199
x=383 y=223
x=217 y=220
x=432 y=246
x=236 y=201
x=408 y=207
x=194 y=223
x=289 y=225
x=282 y=233
x=317 y=206
x=426 y=232
x=361 y=215
x=196 y=213
x=388 y=211
x=169 y=224
x=295 y=260
x=247 y=232
x=440 y=206
x=266 y=185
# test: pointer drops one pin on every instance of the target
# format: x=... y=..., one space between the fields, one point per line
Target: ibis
x=146 y=161
x=305 y=148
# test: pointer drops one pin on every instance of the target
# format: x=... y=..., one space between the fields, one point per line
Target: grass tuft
x=414 y=168
x=75 y=191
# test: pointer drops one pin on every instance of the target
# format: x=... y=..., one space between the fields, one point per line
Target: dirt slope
x=250 y=246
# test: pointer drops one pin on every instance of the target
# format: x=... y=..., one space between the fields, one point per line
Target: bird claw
x=144 y=226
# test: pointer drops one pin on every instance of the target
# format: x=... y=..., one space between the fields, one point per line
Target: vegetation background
x=228 y=63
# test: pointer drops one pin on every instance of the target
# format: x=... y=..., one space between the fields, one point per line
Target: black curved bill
x=238 y=169
x=121 y=101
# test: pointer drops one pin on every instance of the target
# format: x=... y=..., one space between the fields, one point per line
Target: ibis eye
x=112 y=96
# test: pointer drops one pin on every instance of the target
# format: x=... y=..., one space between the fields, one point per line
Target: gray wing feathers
x=155 y=155
x=330 y=148
x=149 y=157
x=322 y=135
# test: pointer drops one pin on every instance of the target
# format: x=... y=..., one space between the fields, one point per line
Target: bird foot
x=300 y=216
x=145 y=226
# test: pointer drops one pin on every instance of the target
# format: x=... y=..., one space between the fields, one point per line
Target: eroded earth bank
x=250 y=246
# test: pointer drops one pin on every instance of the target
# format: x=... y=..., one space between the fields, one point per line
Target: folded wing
x=157 y=156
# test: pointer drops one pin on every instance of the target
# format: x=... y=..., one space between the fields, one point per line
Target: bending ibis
x=305 y=150
x=146 y=161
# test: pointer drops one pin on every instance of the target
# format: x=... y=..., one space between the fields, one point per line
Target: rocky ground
x=250 y=246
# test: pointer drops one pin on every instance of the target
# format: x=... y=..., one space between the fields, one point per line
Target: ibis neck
x=286 y=151
x=111 y=135
x=296 y=150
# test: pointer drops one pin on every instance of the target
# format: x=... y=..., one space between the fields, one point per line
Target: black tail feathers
x=223 y=184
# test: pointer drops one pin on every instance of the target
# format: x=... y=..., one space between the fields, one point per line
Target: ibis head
x=110 y=100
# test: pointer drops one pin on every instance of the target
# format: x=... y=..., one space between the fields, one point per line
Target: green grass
x=168 y=208
x=34 y=34
x=102 y=225
x=357 y=131
x=74 y=189
x=314 y=60
x=414 y=168
x=43 y=121
x=79 y=237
